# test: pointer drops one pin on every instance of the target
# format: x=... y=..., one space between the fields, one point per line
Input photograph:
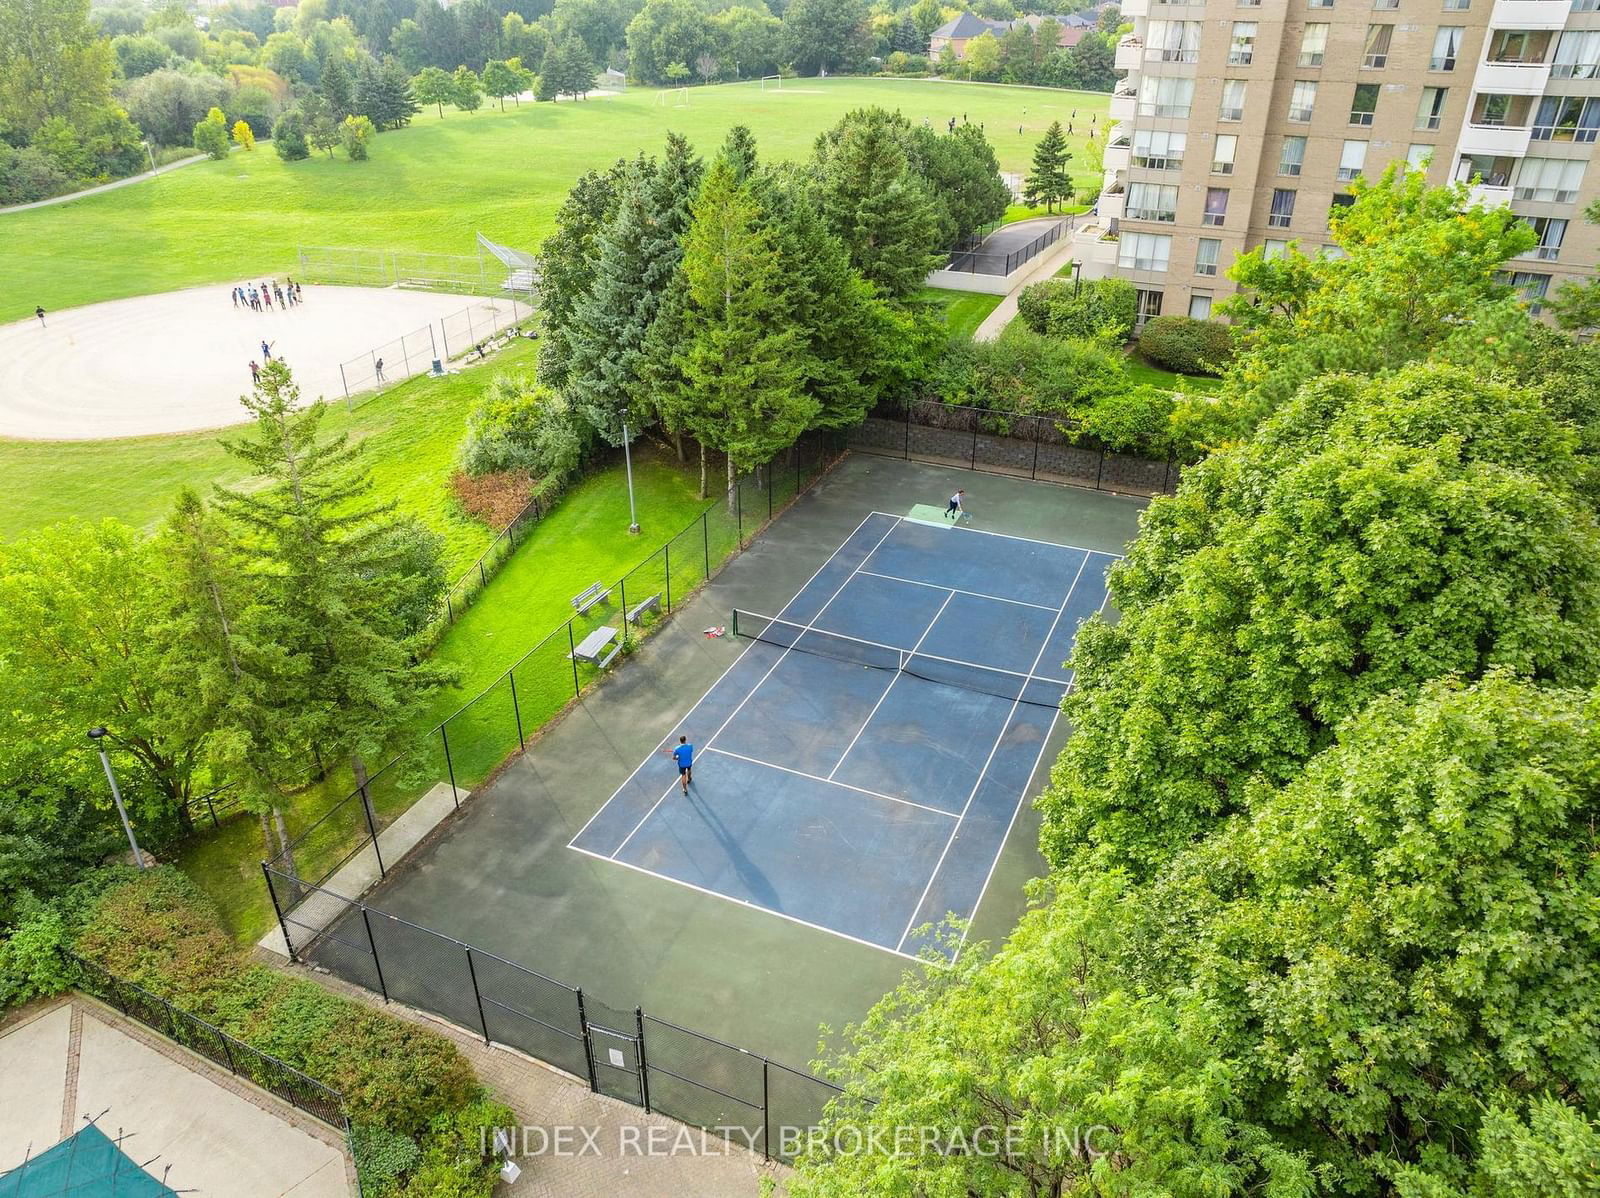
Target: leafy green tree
x=667 y=31
x=826 y=35
x=139 y=55
x=1577 y=305
x=466 y=93
x=983 y=57
x=753 y=38
x=500 y=81
x=211 y=135
x=961 y=175
x=1374 y=534
x=289 y=137
x=439 y=36
x=355 y=132
x=434 y=86
x=741 y=385
x=1050 y=181
x=52 y=63
x=522 y=41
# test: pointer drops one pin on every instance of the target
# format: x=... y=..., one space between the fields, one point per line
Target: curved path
x=129 y=181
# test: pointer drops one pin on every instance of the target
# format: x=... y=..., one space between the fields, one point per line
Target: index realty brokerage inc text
x=631 y=1139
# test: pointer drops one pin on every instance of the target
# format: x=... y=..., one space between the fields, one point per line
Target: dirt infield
x=179 y=361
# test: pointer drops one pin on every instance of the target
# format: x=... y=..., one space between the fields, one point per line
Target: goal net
x=772 y=83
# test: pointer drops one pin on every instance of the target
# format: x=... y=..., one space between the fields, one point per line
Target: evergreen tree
x=387 y=99
x=567 y=262
x=550 y=71
x=906 y=36
x=337 y=87
x=1050 y=181
x=740 y=388
x=739 y=152
x=577 y=68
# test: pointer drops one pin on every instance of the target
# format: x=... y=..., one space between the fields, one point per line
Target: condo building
x=1240 y=124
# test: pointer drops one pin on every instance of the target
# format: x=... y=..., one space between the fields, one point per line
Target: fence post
x=444 y=331
x=767 y=470
x=908 y=433
x=572 y=654
x=1036 y=422
x=516 y=708
x=644 y=1067
x=666 y=555
x=222 y=1039
x=266 y=874
x=1100 y=471
x=450 y=766
x=372 y=943
x=345 y=383
x=477 y=994
x=372 y=828
x=432 y=344
x=766 y=1112
x=483 y=579
x=738 y=509
x=705 y=539
x=212 y=807
x=622 y=585
x=975 y=424
x=450 y=608
x=588 y=1045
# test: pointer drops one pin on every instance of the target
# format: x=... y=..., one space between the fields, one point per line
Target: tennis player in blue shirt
x=684 y=756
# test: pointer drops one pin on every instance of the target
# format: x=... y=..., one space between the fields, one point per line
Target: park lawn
x=1141 y=370
x=412 y=433
x=436 y=184
x=964 y=311
x=583 y=540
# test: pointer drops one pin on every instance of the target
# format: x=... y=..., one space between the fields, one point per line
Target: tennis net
x=966 y=675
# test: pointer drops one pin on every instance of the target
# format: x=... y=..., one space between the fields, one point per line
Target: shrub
x=1027 y=374
x=244 y=135
x=454 y=1163
x=355 y=133
x=382 y=1156
x=289 y=138
x=1138 y=420
x=211 y=135
x=519 y=425
x=494 y=498
x=1100 y=309
x=1187 y=345
x=29 y=174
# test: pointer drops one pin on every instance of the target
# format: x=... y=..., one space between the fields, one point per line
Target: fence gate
x=616 y=1052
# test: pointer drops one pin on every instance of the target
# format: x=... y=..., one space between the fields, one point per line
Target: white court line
x=993 y=749
x=1013 y=537
x=842 y=785
x=764 y=677
x=957 y=590
x=1017 y=810
x=728 y=898
x=951 y=595
x=649 y=757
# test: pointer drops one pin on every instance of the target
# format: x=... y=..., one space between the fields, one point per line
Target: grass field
x=435 y=184
x=964 y=311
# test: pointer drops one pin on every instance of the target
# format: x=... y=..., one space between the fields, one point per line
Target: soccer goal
x=673 y=97
x=772 y=83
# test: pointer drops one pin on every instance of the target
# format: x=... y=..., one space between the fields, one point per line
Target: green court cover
x=87 y=1165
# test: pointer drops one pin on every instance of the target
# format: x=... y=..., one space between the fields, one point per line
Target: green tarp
x=88 y=1165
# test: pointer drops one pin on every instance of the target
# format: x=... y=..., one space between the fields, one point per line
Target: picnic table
x=593 y=647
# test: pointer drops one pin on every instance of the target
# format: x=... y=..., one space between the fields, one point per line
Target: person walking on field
x=39 y=312
x=378 y=366
x=234 y=295
x=266 y=350
x=683 y=754
x=255 y=373
x=954 y=510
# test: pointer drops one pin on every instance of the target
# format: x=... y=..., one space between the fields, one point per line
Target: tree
x=826 y=35
x=466 y=93
x=707 y=67
x=384 y=96
x=323 y=134
x=1050 y=182
x=928 y=15
x=167 y=105
x=500 y=81
x=961 y=176
x=739 y=152
x=567 y=263
x=211 y=135
x=1374 y=534
x=139 y=55
x=1092 y=63
x=52 y=64
x=243 y=134
x=664 y=32
x=354 y=133
x=289 y=138
x=740 y=388
x=522 y=41
x=1577 y=305
x=577 y=69
x=753 y=38
x=434 y=86
x=439 y=36
x=983 y=57
x=337 y=88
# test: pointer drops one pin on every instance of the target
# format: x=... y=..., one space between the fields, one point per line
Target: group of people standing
x=288 y=295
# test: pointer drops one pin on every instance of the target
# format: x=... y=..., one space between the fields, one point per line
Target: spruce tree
x=566 y=261
x=337 y=87
x=1050 y=182
x=739 y=152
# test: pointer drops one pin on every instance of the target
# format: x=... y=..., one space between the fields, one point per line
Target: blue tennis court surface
x=859 y=765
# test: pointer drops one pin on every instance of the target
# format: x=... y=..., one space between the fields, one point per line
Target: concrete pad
x=360 y=874
x=215 y=1141
x=33 y=1062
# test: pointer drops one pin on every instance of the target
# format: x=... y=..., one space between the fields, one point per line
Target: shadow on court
x=502 y=877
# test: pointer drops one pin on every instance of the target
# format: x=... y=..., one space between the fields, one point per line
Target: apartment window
x=1319 y=3
x=1282 y=208
x=1313 y=45
x=1446 y=47
x=1207 y=254
x=1352 y=160
x=1302 y=100
x=1419 y=155
x=1165 y=95
x=1341 y=200
x=1431 y=111
x=1551 y=231
x=1364 y=104
x=1552 y=179
x=1149 y=307
x=1272 y=249
x=1532 y=286
x=1518 y=46
x=1377 y=51
x=1577 y=55
x=1172 y=41
x=1243 y=46
x=1457 y=5
x=1385 y=4
x=1233 y=92
x=1333 y=252
x=1216 y=207
x=1144 y=251
x=1567 y=118
x=1158 y=149
x=1493 y=110
x=1293 y=156
x=1200 y=306
x=1152 y=201
x=1586 y=5
x=1224 y=153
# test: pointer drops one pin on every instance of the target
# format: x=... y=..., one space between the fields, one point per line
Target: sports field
x=434 y=185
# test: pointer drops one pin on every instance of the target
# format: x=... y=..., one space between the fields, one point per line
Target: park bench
x=636 y=612
x=587 y=599
x=593 y=648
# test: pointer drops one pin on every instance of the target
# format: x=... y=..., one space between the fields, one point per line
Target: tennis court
x=860 y=763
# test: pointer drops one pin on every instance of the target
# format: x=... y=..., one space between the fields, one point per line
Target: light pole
x=152 y=154
x=98 y=736
x=627 y=458
x=1077 y=277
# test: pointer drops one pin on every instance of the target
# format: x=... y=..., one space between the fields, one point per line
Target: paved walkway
x=112 y=186
x=616 y=1150
x=1043 y=267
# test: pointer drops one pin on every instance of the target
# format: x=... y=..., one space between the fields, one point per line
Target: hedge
x=1187 y=345
x=1097 y=309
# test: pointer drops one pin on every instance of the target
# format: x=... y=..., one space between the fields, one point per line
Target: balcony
x=1123 y=105
x=1495 y=141
x=1116 y=157
x=1528 y=14
x=1489 y=197
x=1133 y=9
x=1112 y=200
x=1512 y=78
x=1095 y=245
x=1130 y=53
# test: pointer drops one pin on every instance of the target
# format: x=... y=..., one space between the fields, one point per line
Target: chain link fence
x=475 y=326
x=395 y=361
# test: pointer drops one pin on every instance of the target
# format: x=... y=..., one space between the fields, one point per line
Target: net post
x=736 y=623
x=345 y=383
x=444 y=331
x=405 y=358
x=366 y=921
x=516 y=708
x=644 y=1067
x=477 y=994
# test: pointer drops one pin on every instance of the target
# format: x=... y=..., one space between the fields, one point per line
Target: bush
x=382 y=1156
x=289 y=138
x=1187 y=345
x=1134 y=421
x=355 y=133
x=29 y=174
x=211 y=135
x=1100 y=309
x=1027 y=374
x=519 y=425
x=244 y=135
x=454 y=1163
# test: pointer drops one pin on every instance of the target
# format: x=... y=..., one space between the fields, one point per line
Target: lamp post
x=152 y=154
x=98 y=736
x=627 y=458
x=1077 y=277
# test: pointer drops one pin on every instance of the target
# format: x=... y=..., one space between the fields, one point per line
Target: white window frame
x=1201 y=265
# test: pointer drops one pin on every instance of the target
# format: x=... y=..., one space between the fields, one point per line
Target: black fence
x=477 y=738
x=215 y=805
x=238 y=1058
x=621 y=1052
x=981 y=261
x=1035 y=447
